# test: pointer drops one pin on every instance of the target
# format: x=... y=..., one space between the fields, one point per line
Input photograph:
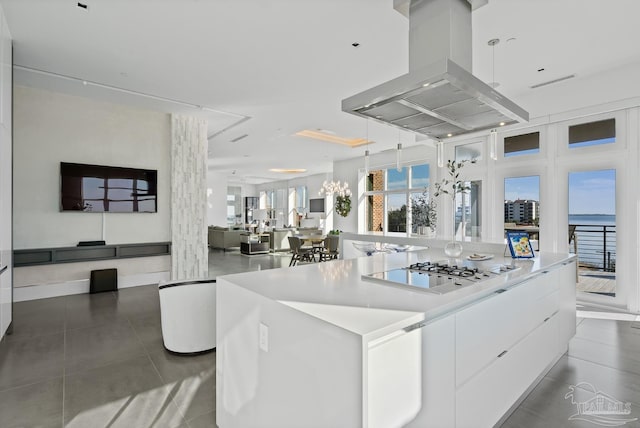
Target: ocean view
x=592 y=248
x=597 y=219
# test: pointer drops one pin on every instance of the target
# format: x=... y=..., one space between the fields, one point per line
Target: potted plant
x=424 y=214
x=451 y=186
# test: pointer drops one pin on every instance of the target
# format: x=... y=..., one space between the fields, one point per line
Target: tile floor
x=98 y=361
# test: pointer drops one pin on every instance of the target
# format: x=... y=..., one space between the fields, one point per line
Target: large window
x=389 y=194
x=234 y=205
x=592 y=229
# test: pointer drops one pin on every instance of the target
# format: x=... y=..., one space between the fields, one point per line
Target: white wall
x=313 y=184
x=216 y=198
x=50 y=128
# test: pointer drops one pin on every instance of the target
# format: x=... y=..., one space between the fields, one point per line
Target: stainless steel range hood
x=439 y=97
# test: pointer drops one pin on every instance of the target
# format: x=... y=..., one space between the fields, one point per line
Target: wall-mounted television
x=99 y=188
x=316 y=205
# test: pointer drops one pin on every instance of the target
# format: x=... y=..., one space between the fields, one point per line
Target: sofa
x=223 y=238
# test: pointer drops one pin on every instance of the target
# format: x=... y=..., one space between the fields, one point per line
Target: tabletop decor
x=343 y=195
x=451 y=186
x=423 y=213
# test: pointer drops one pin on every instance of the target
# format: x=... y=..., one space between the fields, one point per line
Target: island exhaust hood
x=439 y=97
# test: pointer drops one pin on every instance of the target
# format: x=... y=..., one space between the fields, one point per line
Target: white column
x=6 y=179
x=189 y=255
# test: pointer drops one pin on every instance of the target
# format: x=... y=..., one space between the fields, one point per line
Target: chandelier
x=331 y=187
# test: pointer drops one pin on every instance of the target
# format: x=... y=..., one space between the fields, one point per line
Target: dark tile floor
x=98 y=361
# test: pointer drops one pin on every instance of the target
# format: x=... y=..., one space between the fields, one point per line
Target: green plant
x=452 y=185
x=423 y=211
x=334 y=232
x=343 y=205
x=343 y=195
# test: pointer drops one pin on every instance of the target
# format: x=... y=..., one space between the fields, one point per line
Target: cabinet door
x=410 y=378
x=566 y=278
x=394 y=384
x=483 y=400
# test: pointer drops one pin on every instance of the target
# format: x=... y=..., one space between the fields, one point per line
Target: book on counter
x=520 y=245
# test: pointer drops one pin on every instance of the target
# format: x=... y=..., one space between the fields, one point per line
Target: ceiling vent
x=235 y=140
x=550 y=82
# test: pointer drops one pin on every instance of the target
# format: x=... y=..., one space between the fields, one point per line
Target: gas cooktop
x=439 y=277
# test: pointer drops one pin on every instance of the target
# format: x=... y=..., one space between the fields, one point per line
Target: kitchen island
x=322 y=346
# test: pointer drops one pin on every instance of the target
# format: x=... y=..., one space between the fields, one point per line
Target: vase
x=453 y=248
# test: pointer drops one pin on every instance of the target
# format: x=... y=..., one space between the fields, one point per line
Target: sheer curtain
x=189 y=254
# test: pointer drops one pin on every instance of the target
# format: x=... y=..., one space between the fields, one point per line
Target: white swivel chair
x=188 y=315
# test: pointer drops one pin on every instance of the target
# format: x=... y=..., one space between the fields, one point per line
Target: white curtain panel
x=189 y=253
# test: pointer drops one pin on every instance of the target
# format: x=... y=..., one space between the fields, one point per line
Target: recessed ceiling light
x=501 y=123
x=317 y=135
x=288 y=171
x=426 y=84
x=449 y=135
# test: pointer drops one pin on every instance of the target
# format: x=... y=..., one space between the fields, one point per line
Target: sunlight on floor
x=155 y=407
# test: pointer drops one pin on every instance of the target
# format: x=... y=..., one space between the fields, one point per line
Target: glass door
x=592 y=229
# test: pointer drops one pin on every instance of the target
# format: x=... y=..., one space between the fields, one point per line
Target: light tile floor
x=98 y=361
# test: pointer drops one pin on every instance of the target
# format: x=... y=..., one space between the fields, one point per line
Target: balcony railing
x=595 y=246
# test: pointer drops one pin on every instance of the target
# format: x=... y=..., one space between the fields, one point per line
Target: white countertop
x=335 y=292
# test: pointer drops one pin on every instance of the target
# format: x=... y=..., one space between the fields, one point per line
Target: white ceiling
x=287 y=64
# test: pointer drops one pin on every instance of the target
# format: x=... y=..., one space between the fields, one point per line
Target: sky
x=590 y=192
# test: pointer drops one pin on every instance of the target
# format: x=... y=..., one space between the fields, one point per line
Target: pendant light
x=493 y=135
x=399 y=154
x=493 y=144
x=440 y=154
x=366 y=152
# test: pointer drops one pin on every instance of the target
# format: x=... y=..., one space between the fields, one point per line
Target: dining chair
x=330 y=250
x=298 y=254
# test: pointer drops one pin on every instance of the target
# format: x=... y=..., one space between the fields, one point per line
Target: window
x=524 y=144
x=469 y=212
x=592 y=133
x=592 y=229
x=388 y=197
x=301 y=198
x=522 y=201
x=234 y=205
x=469 y=151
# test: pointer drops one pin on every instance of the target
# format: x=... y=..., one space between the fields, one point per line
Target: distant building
x=521 y=211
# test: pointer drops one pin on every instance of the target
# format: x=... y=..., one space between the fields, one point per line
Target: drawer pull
x=546 y=319
x=414 y=326
x=502 y=290
x=502 y=353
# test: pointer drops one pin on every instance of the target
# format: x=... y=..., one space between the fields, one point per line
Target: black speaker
x=103 y=280
x=90 y=243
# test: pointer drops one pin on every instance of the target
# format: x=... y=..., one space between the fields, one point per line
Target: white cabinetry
x=505 y=342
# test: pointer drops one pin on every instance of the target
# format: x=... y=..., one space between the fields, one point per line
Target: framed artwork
x=520 y=245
